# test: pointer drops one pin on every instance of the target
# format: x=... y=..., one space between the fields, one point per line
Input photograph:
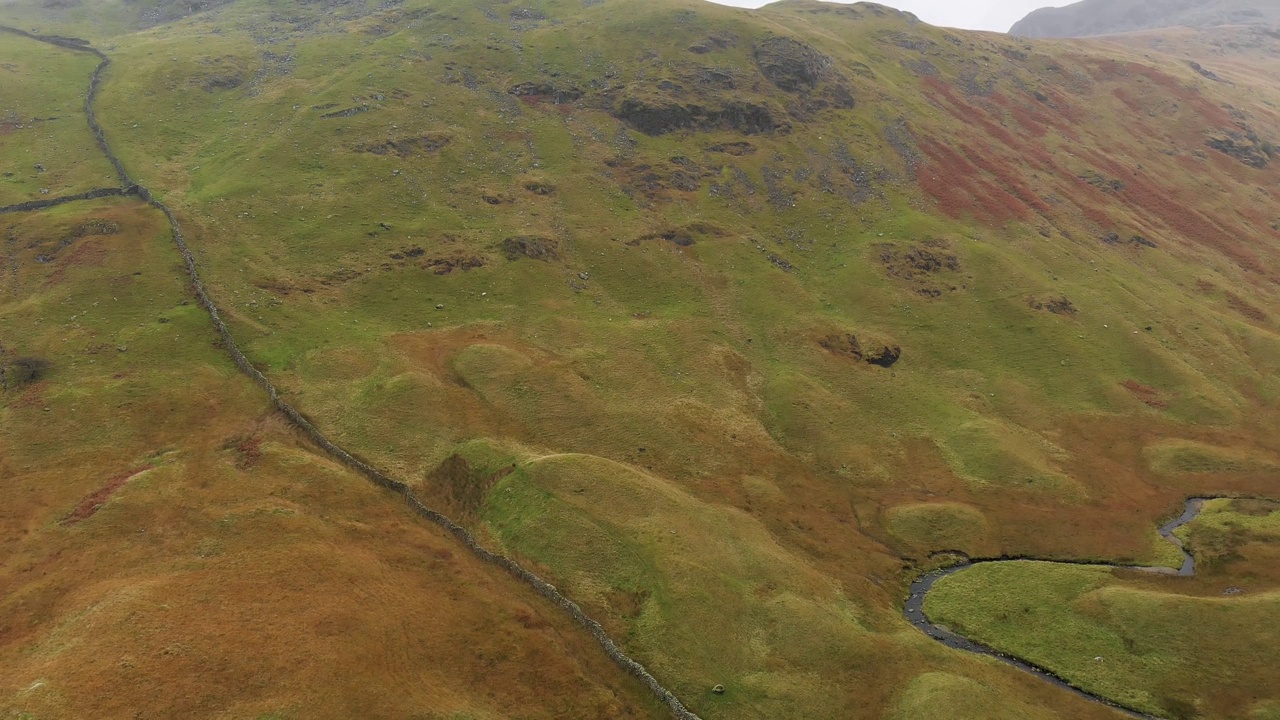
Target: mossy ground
x=666 y=354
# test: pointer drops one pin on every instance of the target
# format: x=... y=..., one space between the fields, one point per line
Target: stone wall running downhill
x=542 y=587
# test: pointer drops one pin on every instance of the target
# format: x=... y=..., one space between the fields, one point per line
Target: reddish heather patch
x=248 y=450
x=1178 y=213
x=1030 y=121
x=958 y=187
x=1243 y=307
x=1145 y=393
x=1185 y=95
x=32 y=396
x=967 y=112
x=94 y=501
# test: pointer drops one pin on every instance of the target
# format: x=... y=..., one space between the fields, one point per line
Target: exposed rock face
x=1249 y=151
x=532 y=247
x=660 y=118
x=1105 y=17
x=790 y=64
x=547 y=92
x=849 y=346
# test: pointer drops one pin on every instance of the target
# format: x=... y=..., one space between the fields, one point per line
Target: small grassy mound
x=676 y=572
x=944 y=696
x=1175 y=457
x=938 y=526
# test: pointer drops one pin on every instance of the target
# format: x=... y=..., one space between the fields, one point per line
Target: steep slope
x=726 y=321
x=1107 y=17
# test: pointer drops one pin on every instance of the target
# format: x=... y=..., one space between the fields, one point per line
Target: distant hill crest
x=1106 y=17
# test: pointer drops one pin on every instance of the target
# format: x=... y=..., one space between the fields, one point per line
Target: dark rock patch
x=23 y=371
x=1247 y=150
x=216 y=83
x=1057 y=306
x=678 y=236
x=404 y=147
x=528 y=14
x=737 y=149
x=717 y=41
x=447 y=265
x=95 y=226
x=348 y=112
x=546 y=92
x=849 y=346
x=923 y=265
x=532 y=247
x=660 y=117
x=790 y=64
x=1205 y=72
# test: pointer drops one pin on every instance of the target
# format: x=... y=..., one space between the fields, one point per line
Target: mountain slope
x=725 y=322
x=1107 y=17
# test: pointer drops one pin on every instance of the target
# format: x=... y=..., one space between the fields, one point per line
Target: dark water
x=914 y=609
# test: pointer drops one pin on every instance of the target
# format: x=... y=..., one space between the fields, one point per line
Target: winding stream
x=914 y=608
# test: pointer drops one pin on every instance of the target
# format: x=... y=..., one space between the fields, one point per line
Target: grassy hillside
x=722 y=320
x=171 y=548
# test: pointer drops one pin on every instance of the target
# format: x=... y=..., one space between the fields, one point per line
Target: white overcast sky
x=998 y=15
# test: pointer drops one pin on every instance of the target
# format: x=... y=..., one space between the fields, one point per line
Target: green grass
x=1143 y=643
x=685 y=388
x=42 y=124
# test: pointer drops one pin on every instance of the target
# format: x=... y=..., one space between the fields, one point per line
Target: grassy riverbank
x=1179 y=648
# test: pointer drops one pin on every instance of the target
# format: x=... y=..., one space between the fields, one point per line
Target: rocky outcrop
x=1106 y=17
x=532 y=247
x=535 y=91
x=406 y=146
x=1250 y=151
x=790 y=64
x=665 y=116
x=880 y=355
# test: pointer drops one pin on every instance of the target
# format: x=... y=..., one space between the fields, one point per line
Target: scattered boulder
x=1057 y=306
x=447 y=265
x=532 y=14
x=532 y=247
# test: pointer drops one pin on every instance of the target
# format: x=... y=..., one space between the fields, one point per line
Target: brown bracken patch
x=1145 y=393
x=95 y=500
